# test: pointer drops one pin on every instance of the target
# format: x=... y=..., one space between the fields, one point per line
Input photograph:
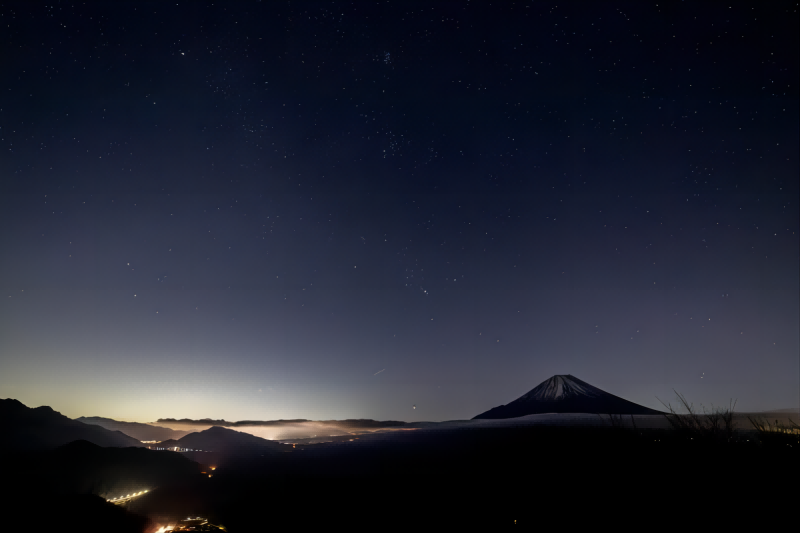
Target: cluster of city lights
x=173 y=449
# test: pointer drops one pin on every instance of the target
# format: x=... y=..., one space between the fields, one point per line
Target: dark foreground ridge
x=469 y=476
x=566 y=394
x=480 y=478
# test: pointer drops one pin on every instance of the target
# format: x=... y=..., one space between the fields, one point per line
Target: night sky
x=330 y=210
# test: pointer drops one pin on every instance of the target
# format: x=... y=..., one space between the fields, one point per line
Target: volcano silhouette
x=566 y=394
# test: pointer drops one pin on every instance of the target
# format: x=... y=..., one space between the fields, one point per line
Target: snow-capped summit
x=566 y=394
x=561 y=386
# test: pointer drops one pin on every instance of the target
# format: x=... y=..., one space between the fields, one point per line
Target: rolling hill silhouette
x=226 y=441
x=566 y=394
x=42 y=428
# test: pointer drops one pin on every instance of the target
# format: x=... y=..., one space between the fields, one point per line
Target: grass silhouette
x=716 y=426
x=778 y=434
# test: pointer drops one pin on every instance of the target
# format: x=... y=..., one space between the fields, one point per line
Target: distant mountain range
x=566 y=394
x=225 y=441
x=137 y=430
x=42 y=428
x=359 y=423
x=201 y=422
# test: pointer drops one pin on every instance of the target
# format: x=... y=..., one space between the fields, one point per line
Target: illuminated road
x=191 y=524
x=127 y=497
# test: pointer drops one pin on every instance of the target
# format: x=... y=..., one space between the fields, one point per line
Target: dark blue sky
x=263 y=210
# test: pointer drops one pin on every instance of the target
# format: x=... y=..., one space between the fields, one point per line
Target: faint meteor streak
x=378 y=372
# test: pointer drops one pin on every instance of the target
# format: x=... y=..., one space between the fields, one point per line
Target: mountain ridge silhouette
x=44 y=428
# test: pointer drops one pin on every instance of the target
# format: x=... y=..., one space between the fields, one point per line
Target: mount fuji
x=566 y=394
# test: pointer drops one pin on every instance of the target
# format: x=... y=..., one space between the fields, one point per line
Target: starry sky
x=331 y=210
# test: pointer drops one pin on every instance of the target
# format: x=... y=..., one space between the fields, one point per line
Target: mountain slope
x=42 y=428
x=81 y=467
x=566 y=394
x=136 y=430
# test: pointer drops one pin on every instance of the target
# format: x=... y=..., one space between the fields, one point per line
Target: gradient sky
x=330 y=210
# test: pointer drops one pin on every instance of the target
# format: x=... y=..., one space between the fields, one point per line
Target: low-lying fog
x=287 y=431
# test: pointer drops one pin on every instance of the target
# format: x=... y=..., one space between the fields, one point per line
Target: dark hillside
x=81 y=467
x=86 y=513
x=486 y=477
